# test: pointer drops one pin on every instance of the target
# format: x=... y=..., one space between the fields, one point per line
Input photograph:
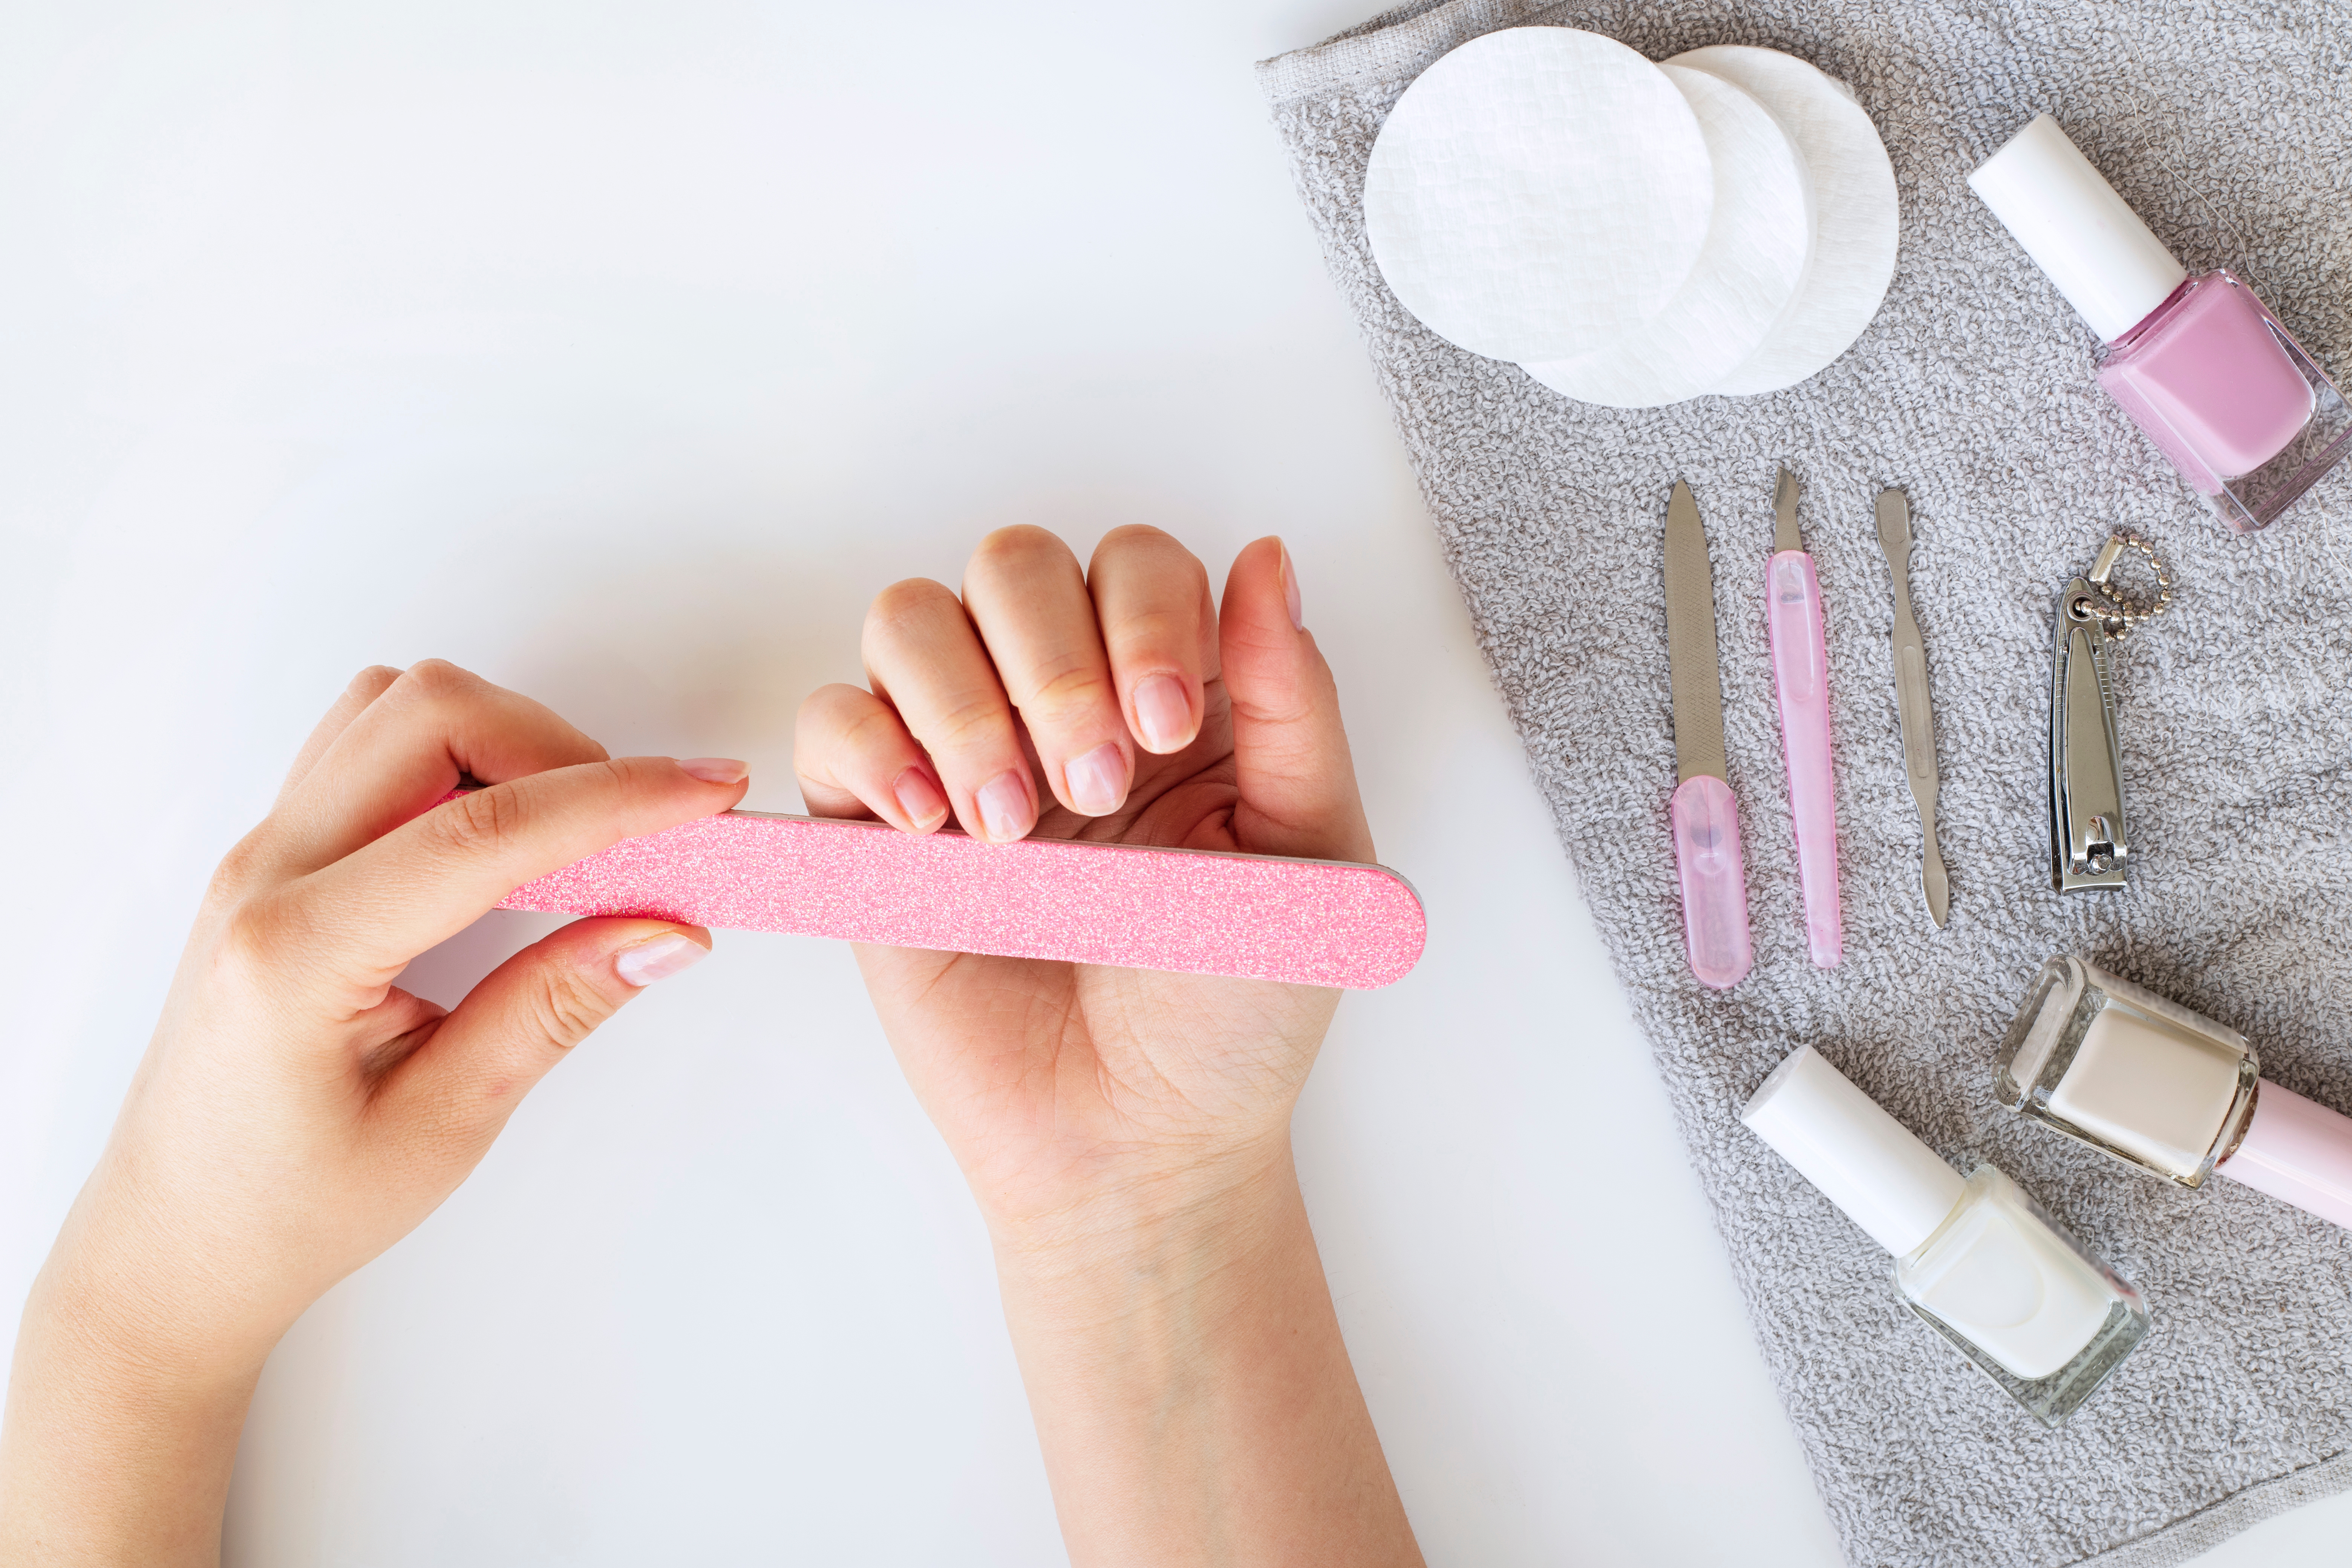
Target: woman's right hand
x=296 y=1112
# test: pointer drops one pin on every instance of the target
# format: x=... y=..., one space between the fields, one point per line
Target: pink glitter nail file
x=1259 y=917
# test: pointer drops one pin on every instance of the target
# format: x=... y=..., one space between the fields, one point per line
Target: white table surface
x=620 y=353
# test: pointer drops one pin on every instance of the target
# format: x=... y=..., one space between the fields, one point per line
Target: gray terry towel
x=1972 y=390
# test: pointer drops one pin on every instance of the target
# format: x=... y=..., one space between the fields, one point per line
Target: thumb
x=524 y=1015
x=1290 y=751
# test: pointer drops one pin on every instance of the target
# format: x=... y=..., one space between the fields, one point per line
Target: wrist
x=120 y=1342
x=1159 y=1233
x=126 y=1297
x=1186 y=1374
x=1088 y=1200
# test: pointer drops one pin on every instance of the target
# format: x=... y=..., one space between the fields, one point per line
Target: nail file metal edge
x=1690 y=642
x=1258 y=917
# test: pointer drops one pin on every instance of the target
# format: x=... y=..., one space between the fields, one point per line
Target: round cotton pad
x=1537 y=193
x=1854 y=206
x=1745 y=276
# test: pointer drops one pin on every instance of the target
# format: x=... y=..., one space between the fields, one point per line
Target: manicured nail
x=1004 y=811
x=658 y=959
x=919 y=798
x=1290 y=590
x=716 y=770
x=1164 y=713
x=1097 y=781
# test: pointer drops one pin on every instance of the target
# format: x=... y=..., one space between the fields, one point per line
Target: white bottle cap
x=1861 y=1159
x=2070 y=220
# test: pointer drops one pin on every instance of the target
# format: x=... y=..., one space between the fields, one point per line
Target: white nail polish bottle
x=1976 y=1258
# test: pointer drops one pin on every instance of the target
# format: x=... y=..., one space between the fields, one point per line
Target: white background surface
x=620 y=353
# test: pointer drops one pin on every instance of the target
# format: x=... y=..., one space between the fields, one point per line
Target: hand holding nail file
x=1792 y=608
x=1704 y=817
x=1259 y=917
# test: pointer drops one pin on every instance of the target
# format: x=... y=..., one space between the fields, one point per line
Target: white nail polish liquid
x=1976 y=1258
x=2127 y=1071
x=2156 y=1085
x=1999 y=1274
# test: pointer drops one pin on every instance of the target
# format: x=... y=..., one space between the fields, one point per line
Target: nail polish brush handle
x=1792 y=599
x=2298 y=1152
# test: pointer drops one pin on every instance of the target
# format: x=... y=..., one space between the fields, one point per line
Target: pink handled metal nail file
x=1704 y=817
x=1801 y=672
x=1260 y=917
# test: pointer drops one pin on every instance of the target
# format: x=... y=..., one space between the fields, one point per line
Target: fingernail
x=1164 y=712
x=716 y=770
x=1290 y=590
x=1097 y=781
x=1004 y=812
x=658 y=959
x=919 y=798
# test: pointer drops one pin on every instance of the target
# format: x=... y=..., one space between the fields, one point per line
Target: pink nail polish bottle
x=2199 y=364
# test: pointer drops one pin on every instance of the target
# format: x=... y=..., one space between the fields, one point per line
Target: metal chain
x=2122 y=614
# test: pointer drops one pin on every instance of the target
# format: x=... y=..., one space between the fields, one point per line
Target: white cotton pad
x=1537 y=193
x=1853 y=202
x=1746 y=274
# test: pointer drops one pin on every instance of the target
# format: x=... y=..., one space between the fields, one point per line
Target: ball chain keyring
x=2119 y=612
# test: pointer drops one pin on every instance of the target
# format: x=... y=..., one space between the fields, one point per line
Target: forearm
x=1192 y=1393
x=109 y=1455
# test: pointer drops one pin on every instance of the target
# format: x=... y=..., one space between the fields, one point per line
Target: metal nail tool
x=1705 y=817
x=2090 y=843
x=1792 y=614
x=1911 y=699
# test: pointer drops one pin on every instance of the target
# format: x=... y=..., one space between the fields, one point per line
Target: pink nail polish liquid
x=2200 y=364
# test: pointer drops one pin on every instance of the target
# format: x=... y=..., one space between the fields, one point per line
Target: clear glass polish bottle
x=1977 y=1259
x=2170 y=1091
x=2200 y=364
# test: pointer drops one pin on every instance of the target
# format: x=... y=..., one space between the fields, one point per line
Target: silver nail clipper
x=2090 y=839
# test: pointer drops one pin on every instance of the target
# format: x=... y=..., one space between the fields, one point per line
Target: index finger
x=405 y=750
x=360 y=919
x=366 y=686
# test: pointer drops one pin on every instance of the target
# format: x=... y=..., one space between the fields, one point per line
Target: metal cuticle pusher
x=1911 y=703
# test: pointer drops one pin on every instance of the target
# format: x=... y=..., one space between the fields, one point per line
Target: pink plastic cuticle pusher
x=1792 y=608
